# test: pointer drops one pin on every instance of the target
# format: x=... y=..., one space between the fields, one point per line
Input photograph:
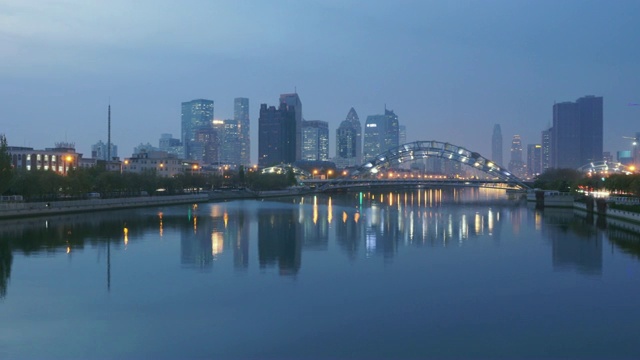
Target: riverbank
x=29 y=209
x=601 y=207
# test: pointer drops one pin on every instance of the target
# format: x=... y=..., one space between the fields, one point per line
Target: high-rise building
x=315 y=140
x=534 y=160
x=99 y=151
x=229 y=141
x=590 y=115
x=280 y=131
x=516 y=166
x=381 y=133
x=546 y=150
x=402 y=134
x=291 y=103
x=197 y=116
x=349 y=141
x=576 y=135
x=496 y=145
x=241 y=115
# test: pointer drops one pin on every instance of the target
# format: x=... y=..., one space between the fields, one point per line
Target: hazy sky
x=449 y=69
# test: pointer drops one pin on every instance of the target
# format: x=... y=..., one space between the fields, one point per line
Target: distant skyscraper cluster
x=211 y=141
x=575 y=139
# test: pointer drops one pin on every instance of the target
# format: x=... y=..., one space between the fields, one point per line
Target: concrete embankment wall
x=22 y=209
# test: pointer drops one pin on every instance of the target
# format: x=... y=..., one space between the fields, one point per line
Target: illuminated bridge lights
x=440 y=150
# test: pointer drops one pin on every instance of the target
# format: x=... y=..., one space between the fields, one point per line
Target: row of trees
x=572 y=180
x=38 y=185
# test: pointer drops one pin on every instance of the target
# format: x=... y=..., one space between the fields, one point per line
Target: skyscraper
x=534 y=159
x=349 y=141
x=277 y=130
x=315 y=140
x=197 y=115
x=576 y=135
x=241 y=115
x=546 y=150
x=516 y=166
x=496 y=145
x=381 y=133
x=590 y=115
x=293 y=104
x=229 y=141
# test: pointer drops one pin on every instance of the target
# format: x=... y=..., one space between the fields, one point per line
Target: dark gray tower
x=291 y=103
x=496 y=145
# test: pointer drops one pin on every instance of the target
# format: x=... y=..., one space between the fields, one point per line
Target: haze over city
x=449 y=69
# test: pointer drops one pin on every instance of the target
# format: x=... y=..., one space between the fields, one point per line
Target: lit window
x=46 y=157
x=28 y=167
x=28 y=157
x=38 y=157
x=53 y=158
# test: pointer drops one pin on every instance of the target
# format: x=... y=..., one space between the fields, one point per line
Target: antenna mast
x=109 y=134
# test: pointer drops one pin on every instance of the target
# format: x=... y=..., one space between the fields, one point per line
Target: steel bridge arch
x=422 y=149
x=603 y=166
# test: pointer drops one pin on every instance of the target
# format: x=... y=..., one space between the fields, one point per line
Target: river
x=440 y=273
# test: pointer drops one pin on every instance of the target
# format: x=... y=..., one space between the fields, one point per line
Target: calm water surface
x=428 y=273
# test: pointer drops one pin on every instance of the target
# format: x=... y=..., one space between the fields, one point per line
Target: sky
x=449 y=69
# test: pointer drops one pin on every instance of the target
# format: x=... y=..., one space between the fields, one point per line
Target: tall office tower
x=241 y=115
x=496 y=145
x=546 y=150
x=99 y=151
x=197 y=115
x=291 y=103
x=590 y=115
x=516 y=166
x=576 y=136
x=349 y=141
x=381 y=133
x=315 y=140
x=534 y=159
x=206 y=145
x=229 y=144
x=276 y=135
x=402 y=134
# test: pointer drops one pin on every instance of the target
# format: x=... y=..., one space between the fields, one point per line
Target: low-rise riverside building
x=160 y=162
x=59 y=159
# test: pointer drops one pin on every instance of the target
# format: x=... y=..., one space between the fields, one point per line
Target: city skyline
x=509 y=70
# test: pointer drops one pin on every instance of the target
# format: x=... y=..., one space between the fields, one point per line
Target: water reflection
x=575 y=243
x=280 y=239
x=280 y=231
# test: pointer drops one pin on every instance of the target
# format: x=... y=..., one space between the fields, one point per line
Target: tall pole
x=109 y=135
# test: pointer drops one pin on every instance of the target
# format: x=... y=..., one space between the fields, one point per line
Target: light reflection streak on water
x=161 y=230
x=217 y=243
x=330 y=211
x=490 y=221
x=464 y=227
x=315 y=209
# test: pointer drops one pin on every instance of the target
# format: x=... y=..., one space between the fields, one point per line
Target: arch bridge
x=423 y=149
